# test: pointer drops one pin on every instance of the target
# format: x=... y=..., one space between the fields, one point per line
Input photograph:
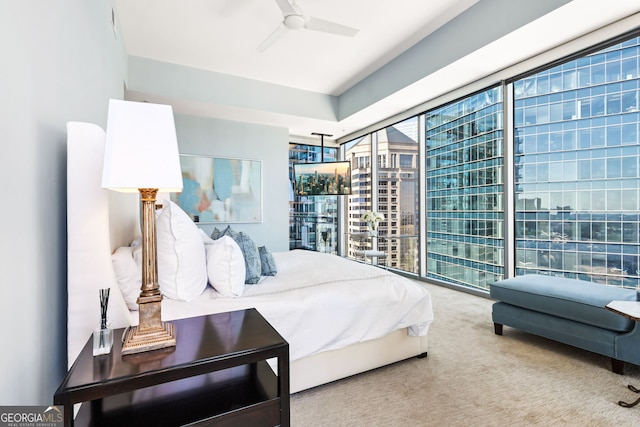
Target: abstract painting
x=217 y=189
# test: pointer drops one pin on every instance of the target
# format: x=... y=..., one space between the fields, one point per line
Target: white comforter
x=320 y=302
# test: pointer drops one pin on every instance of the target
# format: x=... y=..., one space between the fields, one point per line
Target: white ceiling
x=222 y=36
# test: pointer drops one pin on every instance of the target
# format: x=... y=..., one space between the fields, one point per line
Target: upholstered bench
x=569 y=311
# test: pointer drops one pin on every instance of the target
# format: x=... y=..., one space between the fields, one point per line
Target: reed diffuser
x=103 y=336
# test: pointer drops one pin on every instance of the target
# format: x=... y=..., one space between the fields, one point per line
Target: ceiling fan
x=294 y=19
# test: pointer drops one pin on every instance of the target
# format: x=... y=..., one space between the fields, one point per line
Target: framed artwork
x=217 y=189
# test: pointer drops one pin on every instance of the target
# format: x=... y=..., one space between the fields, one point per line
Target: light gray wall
x=149 y=79
x=60 y=62
x=222 y=138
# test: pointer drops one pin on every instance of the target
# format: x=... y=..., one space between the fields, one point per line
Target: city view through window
x=576 y=168
x=574 y=156
x=465 y=207
x=387 y=185
x=313 y=220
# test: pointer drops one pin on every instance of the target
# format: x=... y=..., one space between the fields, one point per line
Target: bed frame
x=99 y=221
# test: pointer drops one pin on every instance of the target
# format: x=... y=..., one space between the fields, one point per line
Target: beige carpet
x=473 y=377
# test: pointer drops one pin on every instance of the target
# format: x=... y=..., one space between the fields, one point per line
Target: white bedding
x=320 y=302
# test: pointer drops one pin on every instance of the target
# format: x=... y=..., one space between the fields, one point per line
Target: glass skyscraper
x=576 y=168
x=464 y=191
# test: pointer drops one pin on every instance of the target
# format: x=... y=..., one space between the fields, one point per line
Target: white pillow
x=129 y=275
x=225 y=267
x=182 y=264
x=205 y=238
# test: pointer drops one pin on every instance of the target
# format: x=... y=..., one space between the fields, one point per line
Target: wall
x=157 y=81
x=61 y=62
x=206 y=136
x=444 y=46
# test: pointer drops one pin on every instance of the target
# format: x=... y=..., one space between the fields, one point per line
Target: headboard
x=98 y=221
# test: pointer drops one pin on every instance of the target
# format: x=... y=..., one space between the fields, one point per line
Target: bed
x=360 y=318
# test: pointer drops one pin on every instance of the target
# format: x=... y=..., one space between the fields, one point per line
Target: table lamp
x=141 y=155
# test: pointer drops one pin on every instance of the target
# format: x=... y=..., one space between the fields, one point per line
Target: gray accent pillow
x=251 y=257
x=267 y=262
x=216 y=234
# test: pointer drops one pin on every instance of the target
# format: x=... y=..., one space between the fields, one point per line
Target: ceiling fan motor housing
x=294 y=22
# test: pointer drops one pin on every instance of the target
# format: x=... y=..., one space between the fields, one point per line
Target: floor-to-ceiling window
x=464 y=190
x=576 y=168
x=313 y=220
x=385 y=179
x=397 y=194
x=572 y=205
x=359 y=153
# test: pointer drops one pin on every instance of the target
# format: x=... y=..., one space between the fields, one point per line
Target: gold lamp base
x=152 y=333
x=138 y=342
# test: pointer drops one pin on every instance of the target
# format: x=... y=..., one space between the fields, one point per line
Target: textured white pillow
x=129 y=275
x=182 y=264
x=225 y=267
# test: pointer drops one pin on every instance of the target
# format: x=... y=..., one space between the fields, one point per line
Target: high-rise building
x=464 y=194
x=396 y=196
x=577 y=175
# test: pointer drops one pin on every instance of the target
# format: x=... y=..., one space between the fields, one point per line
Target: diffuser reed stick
x=104 y=304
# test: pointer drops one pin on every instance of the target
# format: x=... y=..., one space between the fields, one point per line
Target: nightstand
x=216 y=374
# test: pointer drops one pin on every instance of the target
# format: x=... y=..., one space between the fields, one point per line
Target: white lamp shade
x=141 y=149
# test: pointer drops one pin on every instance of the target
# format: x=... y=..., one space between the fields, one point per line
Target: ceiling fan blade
x=275 y=35
x=317 y=24
x=286 y=7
